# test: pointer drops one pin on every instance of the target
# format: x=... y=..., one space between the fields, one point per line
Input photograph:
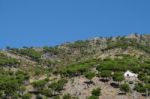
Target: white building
x=129 y=74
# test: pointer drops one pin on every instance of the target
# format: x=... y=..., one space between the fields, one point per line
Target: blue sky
x=52 y=22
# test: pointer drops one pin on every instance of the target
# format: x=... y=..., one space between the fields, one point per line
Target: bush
x=105 y=73
x=56 y=97
x=47 y=92
x=58 y=86
x=118 y=77
x=93 y=97
x=90 y=75
x=39 y=84
x=5 y=61
x=139 y=87
x=96 y=92
x=39 y=97
x=67 y=96
x=124 y=87
x=26 y=96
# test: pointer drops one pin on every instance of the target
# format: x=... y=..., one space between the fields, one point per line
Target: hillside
x=84 y=69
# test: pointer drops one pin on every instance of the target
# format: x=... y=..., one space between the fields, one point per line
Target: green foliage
x=39 y=97
x=79 y=44
x=73 y=59
x=147 y=86
x=15 y=96
x=26 y=96
x=144 y=48
x=121 y=42
x=67 y=96
x=105 y=73
x=38 y=71
x=93 y=97
x=118 y=77
x=121 y=65
x=58 y=85
x=56 y=97
x=142 y=87
x=47 y=92
x=52 y=50
x=96 y=92
x=39 y=84
x=10 y=87
x=5 y=61
x=33 y=54
x=142 y=77
x=124 y=87
x=90 y=75
x=139 y=87
x=77 y=69
x=10 y=82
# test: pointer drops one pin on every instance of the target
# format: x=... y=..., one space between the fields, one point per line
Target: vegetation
x=6 y=61
x=67 y=96
x=125 y=88
x=58 y=85
x=77 y=69
x=90 y=75
x=93 y=97
x=118 y=77
x=30 y=52
x=96 y=92
x=48 y=70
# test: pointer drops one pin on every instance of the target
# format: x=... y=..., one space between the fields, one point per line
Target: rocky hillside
x=89 y=69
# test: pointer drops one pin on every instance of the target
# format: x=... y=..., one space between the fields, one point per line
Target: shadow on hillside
x=89 y=82
x=104 y=80
x=114 y=85
x=121 y=93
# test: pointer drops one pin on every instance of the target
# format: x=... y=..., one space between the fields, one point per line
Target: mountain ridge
x=84 y=69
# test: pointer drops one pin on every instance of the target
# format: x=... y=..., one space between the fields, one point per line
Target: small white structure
x=129 y=74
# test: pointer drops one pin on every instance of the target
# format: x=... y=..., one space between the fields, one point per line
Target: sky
x=52 y=22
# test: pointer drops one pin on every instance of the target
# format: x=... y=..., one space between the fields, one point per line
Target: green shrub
x=47 y=92
x=67 y=96
x=90 y=75
x=26 y=96
x=58 y=85
x=93 y=97
x=96 y=92
x=139 y=87
x=118 y=77
x=124 y=87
